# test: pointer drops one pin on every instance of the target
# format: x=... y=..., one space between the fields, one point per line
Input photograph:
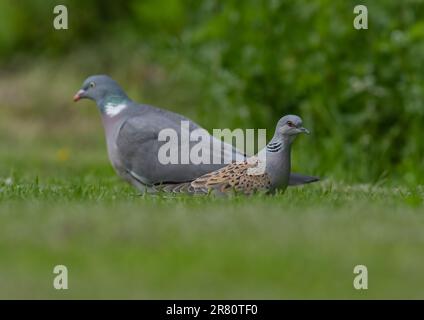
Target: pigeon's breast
x=112 y=127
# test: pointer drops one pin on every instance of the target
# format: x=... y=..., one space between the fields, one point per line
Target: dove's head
x=290 y=126
x=100 y=88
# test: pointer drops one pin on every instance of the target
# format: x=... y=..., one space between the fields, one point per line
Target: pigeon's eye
x=290 y=124
x=91 y=84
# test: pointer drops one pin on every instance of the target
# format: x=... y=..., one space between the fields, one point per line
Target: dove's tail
x=298 y=179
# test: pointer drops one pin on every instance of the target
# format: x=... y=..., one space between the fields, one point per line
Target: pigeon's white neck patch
x=112 y=109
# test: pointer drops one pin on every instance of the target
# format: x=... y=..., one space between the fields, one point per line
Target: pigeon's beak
x=79 y=95
x=304 y=130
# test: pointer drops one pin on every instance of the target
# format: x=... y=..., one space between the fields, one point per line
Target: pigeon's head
x=290 y=126
x=100 y=88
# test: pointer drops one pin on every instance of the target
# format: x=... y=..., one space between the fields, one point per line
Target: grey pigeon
x=132 y=136
x=266 y=172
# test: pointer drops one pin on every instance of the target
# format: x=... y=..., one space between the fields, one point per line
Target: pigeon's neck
x=113 y=105
x=278 y=161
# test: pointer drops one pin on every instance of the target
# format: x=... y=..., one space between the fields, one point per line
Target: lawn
x=117 y=244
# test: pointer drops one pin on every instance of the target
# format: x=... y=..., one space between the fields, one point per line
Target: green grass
x=116 y=244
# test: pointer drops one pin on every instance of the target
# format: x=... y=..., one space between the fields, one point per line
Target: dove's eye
x=91 y=84
x=290 y=124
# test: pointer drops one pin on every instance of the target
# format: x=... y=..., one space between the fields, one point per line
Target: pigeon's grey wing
x=178 y=118
x=299 y=179
x=139 y=149
x=175 y=120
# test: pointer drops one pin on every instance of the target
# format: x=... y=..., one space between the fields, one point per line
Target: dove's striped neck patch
x=113 y=109
x=274 y=146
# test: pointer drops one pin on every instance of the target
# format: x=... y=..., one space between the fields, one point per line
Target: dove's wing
x=234 y=177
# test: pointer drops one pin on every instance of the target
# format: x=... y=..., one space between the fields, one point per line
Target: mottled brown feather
x=234 y=177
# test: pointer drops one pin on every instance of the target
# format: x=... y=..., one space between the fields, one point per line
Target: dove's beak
x=79 y=95
x=304 y=130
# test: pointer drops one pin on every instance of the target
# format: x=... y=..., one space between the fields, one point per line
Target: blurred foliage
x=359 y=91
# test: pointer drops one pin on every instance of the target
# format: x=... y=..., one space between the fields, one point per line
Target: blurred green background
x=232 y=64
x=228 y=64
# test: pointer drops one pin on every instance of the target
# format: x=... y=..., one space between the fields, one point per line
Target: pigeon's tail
x=298 y=179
